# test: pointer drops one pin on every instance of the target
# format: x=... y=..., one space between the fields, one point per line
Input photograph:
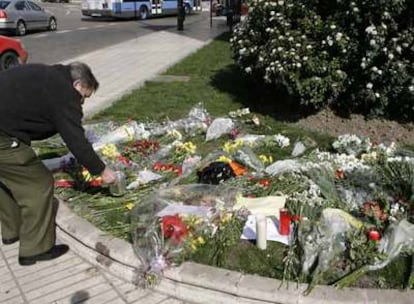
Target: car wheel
x=8 y=60
x=143 y=13
x=20 y=28
x=52 y=24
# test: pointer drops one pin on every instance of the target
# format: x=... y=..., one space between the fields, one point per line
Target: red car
x=12 y=52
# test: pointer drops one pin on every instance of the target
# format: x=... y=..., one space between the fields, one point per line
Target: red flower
x=264 y=183
x=146 y=147
x=374 y=234
x=295 y=218
x=63 y=183
x=173 y=228
x=123 y=160
x=157 y=166
x=96 y=182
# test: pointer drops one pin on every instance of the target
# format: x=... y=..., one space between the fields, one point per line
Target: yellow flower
x=225 y=218
x=266 y=159
x=224 y=159
x=175 y=134
x=201 y=240
x=186 y=148
x=189 y=147
x=230 y=147
x=128 y=131
x=110 y=151
x=129 y=205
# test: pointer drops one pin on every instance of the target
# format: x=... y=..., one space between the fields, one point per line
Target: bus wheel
x=143 y=13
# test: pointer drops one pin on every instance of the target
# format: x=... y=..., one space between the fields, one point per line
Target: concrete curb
x=205 y=284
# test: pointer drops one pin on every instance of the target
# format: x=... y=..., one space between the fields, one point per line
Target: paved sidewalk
x=68 y=279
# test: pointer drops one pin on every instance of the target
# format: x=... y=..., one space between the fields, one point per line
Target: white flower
x=371 y=30
x=298 y=64
x=398 y=49
x=333 y=26
x=279 y=49
x=374 y=69
x=242 y=51
x=363 y=65
x=248 y=70
x=377 y=95
x=305 y=58
x=281 y=140
x=372 y=42
x=369 y=85
x=338 y=36
x=330 y=42
x=308 y=46
x=390 y=56
x=411 y=88
x=280 y=2
x=272 y=13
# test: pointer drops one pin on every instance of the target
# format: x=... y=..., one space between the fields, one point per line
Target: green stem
x=351 y=278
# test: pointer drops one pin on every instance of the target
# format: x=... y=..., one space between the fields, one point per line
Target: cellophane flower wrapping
x=173 y=222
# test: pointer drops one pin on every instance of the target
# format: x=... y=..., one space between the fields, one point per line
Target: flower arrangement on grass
x=352 y=198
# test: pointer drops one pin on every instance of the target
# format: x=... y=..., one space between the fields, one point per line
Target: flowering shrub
x=353 y=55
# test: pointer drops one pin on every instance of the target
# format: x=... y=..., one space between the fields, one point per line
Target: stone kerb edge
x=201 y=283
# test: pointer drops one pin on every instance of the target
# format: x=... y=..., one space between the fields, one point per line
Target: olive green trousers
x=27 y=207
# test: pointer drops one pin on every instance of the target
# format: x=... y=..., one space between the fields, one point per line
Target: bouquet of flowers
x=172 y=223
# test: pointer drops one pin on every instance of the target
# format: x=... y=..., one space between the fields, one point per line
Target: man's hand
x=108 y=176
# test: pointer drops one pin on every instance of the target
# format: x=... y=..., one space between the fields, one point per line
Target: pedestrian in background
x=38 y=101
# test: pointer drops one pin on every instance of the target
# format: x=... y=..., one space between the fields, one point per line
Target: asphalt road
x=77 y=35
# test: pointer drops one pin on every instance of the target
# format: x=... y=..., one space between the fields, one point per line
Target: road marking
x=45 y=34
x=40 y=35
x=64 y=31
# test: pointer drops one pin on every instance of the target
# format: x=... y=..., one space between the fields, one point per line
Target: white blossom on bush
x=301 y=45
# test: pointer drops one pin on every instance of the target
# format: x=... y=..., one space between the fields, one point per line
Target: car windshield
x=3 y=4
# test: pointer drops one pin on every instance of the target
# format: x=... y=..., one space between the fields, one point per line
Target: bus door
x=156 y=7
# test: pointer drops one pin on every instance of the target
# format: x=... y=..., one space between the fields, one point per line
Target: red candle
x=284 y=221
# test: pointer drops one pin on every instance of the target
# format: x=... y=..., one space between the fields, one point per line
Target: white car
x=21 y=16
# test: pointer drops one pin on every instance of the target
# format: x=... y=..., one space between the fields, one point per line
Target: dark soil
x=380 y=131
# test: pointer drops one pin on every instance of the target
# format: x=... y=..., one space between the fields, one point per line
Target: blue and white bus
x=136 y=9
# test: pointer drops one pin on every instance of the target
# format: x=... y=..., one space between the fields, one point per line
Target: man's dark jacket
x=38 y=101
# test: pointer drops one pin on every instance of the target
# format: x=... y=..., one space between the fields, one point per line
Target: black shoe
x=10 y=241
x=53 y=253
